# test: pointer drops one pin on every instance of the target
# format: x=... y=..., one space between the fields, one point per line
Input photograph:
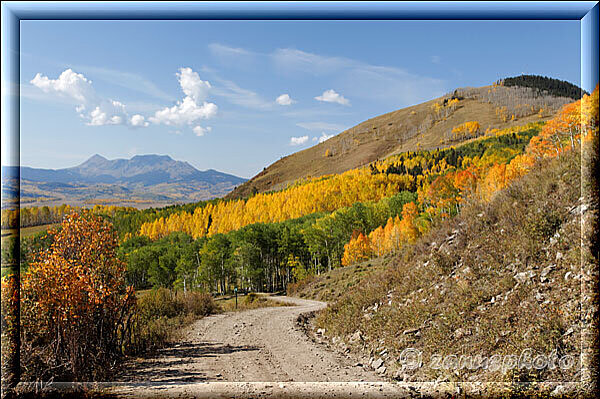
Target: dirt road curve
x=263 y=345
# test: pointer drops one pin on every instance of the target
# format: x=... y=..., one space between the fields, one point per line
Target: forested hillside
x=317 y=224
x=425 y=126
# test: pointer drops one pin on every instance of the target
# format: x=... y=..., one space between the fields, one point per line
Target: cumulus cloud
x=323 y=137
x=138 y=120
x=201 y=131
x=90 y=107
x=109 y=112
x=98 y=111
x=69 y=84
x=298 y=140
x=284 y=99
x=192 y=85
x=330 y=96
x=184 y=112
x=192 y=107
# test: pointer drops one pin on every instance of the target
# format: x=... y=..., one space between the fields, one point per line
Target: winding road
x=264 y=344
x=260 y=353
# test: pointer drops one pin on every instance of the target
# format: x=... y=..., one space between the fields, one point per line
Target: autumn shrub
x=75 y=303
x=197 y=303
x=160 y=313
x=251 y=297
x=294 y=288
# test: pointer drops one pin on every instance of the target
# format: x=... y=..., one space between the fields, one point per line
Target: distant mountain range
x=144 y=179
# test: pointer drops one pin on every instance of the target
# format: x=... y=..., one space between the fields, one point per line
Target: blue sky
x=237 y=95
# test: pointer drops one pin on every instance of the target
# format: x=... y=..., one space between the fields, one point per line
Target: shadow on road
x=165 y=365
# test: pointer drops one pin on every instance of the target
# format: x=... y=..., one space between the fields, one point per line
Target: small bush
x=160 y=312
x=251 y=297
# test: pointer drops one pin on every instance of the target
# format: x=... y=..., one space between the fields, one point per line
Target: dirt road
x=263 y=344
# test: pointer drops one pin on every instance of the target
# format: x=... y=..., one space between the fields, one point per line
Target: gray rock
x=411 y=331
x=356 y=337
x=568 y=275
x=524 y=277
x=377 y=364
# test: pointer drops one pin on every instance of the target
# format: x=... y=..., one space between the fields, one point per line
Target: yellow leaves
x=466 y=130
x=322 y=194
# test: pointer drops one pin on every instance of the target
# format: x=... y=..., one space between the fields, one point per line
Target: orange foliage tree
x=75 y=302
x=357 y=250
x=384 y=239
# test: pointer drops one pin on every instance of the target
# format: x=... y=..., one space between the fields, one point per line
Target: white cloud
x=99 y=112
x=360 y=79
x=188 y=110
x=201 y=131
x=324 y=137
x=330 y=96
x=192 y=85
x=393 y=86
x=301 y=61
x=76 y=87
x=138 y=120
x=184 y=112
x=284 y=99
x=298 y=140
x=69 y=84
x=322 y=126
x=222 y=50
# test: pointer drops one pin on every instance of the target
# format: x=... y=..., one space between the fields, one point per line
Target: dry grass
x=329 y=287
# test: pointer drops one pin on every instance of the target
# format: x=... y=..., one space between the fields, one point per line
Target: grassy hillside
x=408 y=129
x=499 y=278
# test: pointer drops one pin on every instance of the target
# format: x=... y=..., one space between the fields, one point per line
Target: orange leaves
x=77 y=279
x=565 y=129
x=384 y=239
x=357 y=250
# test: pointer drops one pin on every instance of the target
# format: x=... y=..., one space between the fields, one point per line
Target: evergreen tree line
x=555 y=87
